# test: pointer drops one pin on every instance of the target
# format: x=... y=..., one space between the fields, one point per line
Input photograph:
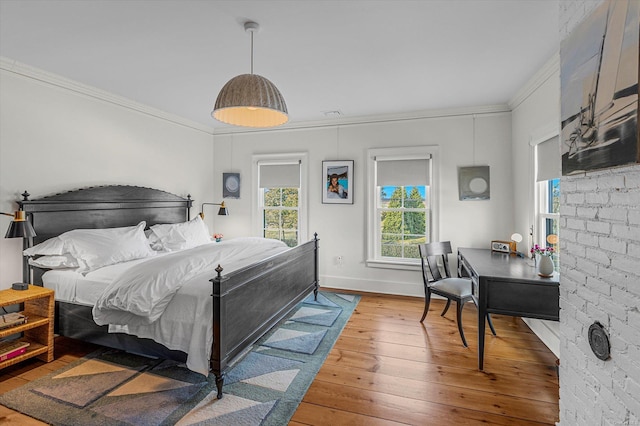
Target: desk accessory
x=503 y=246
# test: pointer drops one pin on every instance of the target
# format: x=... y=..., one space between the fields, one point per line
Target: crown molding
x=46 y=77
x=37 y=74
x=373 y=119
x=548 y=69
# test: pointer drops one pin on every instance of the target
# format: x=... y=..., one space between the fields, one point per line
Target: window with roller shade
x=547 y=190
x=402 y=204
x=279 y=183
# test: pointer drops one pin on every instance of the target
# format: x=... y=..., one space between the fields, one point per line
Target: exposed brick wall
x=600 y=281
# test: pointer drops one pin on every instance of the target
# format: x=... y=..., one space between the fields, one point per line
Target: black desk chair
x=457 y=289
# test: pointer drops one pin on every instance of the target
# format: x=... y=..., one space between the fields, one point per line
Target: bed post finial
x=219 y=270
x=25 y=196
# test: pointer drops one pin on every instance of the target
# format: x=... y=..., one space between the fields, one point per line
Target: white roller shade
x=280 y=175
x=402 y=172
x=549 y=161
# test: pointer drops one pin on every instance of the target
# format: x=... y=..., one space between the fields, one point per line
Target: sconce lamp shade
x=20 y=227
x=221 y=212
x=250 y=100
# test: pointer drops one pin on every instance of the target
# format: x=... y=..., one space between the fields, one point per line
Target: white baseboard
x=547 y=331
x=373 y=286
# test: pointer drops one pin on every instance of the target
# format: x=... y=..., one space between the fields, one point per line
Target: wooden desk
x=507 y=285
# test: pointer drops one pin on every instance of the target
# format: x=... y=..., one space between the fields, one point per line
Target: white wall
x=600 y=281
x=535 y=118
x=342 y=228
x=55 y=139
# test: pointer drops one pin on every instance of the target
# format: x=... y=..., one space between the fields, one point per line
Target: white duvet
x=136 y=300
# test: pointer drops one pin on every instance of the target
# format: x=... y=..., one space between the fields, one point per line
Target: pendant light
x=250 y=100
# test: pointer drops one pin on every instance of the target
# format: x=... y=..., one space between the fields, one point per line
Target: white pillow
x=95 y=248
x=179 y=236
x=53 y=246
x=64 y=261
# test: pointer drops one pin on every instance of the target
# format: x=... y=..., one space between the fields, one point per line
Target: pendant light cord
x=474 y=140
x=251 y=52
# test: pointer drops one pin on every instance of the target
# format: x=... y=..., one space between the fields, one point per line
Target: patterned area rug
x=110 y=387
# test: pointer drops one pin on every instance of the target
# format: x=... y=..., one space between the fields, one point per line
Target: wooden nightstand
x=39 y=308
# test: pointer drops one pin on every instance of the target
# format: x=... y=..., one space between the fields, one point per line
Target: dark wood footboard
x=248 y=302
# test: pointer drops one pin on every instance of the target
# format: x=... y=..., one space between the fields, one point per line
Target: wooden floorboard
x=387 y=368
x=390 y=367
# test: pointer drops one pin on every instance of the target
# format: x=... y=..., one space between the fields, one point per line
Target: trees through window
x=403 y=220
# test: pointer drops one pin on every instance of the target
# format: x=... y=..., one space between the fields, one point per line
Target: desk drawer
x=524 y=299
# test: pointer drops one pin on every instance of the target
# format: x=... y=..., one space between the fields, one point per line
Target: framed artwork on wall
x=337 y=178
x=599 y=90
x=230 y=185
x=474 y=183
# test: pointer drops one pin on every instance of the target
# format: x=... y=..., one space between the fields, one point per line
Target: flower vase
x=545 y=266
x=218 y=240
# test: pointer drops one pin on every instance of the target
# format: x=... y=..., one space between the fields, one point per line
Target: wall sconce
x=20 y=227
x=221 y=212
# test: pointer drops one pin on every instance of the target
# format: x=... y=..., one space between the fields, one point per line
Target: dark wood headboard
x=101 y=207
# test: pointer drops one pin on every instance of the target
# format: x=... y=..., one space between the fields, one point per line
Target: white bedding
x=147 y=287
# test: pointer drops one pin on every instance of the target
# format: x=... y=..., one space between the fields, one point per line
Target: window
x=547 y=192
x=280 y=214
x=279 y=187
x=401 y=205
x=549 y=215
x=404 y=214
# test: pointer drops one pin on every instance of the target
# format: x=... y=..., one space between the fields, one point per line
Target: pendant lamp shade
x=250 y=100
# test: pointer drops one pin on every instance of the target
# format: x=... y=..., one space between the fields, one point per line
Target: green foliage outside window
x=403 y=230
x=280 y=220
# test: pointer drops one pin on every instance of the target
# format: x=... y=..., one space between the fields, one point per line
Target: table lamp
x=516 y=238
x=20 y=227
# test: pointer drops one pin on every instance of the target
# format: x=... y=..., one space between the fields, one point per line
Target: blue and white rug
x=110 y=387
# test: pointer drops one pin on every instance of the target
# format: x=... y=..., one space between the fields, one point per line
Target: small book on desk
x=11 y=320
x=12 y=349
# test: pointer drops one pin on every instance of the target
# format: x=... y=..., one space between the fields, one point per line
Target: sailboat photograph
x=599 y=86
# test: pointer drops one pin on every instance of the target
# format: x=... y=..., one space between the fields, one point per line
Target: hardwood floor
x=388 y=368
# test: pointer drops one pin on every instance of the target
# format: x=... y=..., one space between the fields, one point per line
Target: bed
x=246 y=302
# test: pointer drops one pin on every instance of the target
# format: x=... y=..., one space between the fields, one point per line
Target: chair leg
x=427 y=301
x=493 y=330
x=459 y=307
x=446 y=308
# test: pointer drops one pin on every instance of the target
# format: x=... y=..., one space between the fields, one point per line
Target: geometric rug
x=112 y=387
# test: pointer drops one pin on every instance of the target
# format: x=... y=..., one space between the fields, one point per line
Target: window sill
x=390 y=264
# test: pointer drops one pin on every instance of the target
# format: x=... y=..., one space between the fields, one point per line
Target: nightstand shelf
x=38 y=330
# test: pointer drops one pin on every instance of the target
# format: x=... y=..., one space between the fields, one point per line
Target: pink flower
x=543 y=251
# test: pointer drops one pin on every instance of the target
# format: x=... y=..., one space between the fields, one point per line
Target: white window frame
x=539 y=195
x=542 y=209
x=257 y=199
x=374 y=259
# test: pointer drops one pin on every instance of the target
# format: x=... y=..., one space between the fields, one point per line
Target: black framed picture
x=231 y=185
x=337 y=177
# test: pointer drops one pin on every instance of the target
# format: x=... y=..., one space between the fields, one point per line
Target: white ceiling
x=360 y=57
